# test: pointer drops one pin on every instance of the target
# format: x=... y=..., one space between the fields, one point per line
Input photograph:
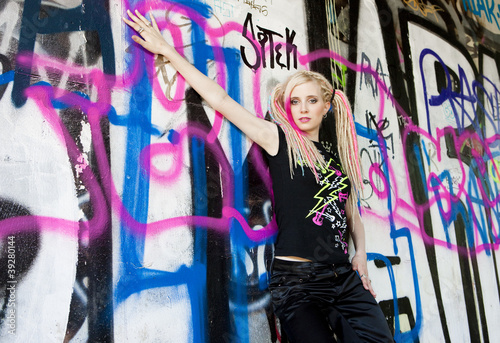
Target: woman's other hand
x=359 y=264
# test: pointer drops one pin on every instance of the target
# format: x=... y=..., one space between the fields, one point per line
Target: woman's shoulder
x=281 y=143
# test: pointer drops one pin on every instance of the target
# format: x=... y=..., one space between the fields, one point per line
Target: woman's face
x=308 y=108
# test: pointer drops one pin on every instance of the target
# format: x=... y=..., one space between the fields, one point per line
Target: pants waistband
x=307 y=266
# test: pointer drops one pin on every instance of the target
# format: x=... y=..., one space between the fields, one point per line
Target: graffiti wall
x=131 y=211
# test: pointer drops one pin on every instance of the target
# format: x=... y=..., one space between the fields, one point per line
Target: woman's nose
x=303 y=107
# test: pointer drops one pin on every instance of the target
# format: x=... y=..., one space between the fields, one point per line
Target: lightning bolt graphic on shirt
x=333 y=195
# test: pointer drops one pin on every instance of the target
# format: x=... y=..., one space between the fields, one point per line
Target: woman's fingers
x=131 y=24
x=135 y=23
x=137 y=28
x=140 y=24
x=149 y=36
x=365 y=281
x=367 y=284
x=144 y=21
x=133 y=17
x=153 y=20
x=372 y=291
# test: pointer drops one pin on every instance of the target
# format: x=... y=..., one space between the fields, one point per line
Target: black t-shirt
x=311 y=216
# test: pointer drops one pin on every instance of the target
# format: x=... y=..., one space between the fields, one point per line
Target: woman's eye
x=313 y=101
x=294 y=102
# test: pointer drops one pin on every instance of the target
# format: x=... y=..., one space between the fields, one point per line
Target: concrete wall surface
x=131 y=212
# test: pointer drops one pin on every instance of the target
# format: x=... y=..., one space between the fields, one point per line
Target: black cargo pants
x=315 y=300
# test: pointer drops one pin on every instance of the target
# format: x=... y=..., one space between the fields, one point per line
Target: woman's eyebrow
x=307 y=96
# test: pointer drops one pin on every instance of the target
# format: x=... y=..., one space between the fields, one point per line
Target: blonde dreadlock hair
x=301 y=150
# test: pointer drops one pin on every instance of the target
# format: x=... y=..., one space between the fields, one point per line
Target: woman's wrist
x=361 y=253
x=167 y=50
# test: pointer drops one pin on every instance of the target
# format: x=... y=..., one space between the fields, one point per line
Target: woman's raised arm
x=261 y=131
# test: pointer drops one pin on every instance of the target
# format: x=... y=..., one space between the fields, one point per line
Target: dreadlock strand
x=348 y=147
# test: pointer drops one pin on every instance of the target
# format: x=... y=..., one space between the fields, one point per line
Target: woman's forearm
x=207 y=88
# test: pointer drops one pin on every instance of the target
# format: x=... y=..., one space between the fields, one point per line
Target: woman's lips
x=304 y=119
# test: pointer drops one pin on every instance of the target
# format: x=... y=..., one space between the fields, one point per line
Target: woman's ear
x=328 y=106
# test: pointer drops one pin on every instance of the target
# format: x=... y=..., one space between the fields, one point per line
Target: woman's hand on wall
x=150 y=37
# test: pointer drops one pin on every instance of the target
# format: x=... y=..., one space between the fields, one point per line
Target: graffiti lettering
x=266 y=40
x=369 y=81
x=224 y=8
x=261 y=8
x=483 y=6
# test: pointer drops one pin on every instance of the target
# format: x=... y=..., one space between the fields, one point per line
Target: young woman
x=316 y=291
